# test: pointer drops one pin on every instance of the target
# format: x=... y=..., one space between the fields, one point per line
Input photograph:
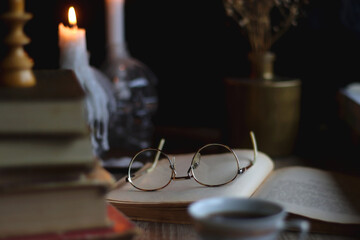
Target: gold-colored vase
x=265 y=104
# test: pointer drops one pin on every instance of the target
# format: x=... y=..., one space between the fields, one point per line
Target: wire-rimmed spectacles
x=212 y=165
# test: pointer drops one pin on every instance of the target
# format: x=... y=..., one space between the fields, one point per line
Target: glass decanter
x=131 y=126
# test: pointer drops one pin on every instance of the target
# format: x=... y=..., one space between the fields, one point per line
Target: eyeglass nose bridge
x=175 y=178
x=181 y=178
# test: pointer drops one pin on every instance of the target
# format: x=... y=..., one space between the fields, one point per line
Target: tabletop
x=171 y=231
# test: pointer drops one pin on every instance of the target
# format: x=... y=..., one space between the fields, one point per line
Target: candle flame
x=72 y=16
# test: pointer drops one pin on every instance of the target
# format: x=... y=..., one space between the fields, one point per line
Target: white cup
x=228 y=218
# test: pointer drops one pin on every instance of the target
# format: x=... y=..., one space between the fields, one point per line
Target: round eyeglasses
x=212 y=165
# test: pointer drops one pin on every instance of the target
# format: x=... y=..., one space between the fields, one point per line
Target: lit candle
x=74 y=56
x=72 y=42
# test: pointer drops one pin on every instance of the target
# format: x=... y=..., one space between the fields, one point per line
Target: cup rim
x=193 y=209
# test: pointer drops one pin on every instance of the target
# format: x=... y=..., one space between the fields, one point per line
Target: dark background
x=191 y=45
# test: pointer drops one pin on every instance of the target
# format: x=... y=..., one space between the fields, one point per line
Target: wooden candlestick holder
x=16 y=67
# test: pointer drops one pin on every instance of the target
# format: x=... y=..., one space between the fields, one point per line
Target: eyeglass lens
x=214 y=165
x=155 y=173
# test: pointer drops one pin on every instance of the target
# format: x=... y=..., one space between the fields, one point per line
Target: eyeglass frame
x=190 y=172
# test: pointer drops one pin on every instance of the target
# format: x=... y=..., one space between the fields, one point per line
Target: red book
x=122 y=228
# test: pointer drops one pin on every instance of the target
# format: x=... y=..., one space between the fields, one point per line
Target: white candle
x=72 y=43
x=115 y=27
x=74 y=56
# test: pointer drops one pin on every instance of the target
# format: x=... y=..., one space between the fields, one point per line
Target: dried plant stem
x=254 y=17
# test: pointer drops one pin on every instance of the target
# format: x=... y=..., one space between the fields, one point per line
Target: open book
x=315 y=194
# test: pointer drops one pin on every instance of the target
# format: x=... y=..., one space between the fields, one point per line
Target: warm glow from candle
x=72 y=16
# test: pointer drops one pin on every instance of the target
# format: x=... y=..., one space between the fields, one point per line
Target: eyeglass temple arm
x=157 y=156
x=156 y=160
x=253 y=140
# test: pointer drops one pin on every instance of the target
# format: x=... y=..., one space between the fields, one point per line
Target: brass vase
x=266 y=104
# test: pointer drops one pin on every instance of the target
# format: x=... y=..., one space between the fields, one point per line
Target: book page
x=314 y=193
x=186 y=191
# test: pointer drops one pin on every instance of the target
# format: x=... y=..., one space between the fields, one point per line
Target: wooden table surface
x=170 y=231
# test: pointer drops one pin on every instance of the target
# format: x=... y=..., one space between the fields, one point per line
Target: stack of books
x=47 y=184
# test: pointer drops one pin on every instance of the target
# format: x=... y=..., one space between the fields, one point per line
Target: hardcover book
x=328 y=199
x=121 y=228
x=46 y=152
x=54 y=106
x=52 y=207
